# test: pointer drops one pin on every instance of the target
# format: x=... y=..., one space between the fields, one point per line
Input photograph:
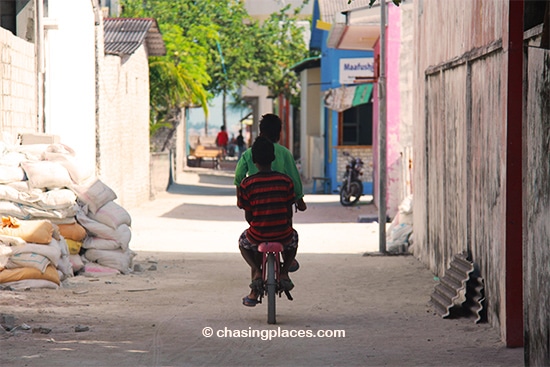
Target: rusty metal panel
x=537 y=213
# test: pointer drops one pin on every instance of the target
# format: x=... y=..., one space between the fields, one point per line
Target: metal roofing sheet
x=329 y=8
x=123 y=36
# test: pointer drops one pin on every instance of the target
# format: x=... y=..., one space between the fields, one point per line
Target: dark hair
x=270 y=127
x=263 y=151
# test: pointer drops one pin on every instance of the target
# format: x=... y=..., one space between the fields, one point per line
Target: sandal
x=250 y=302
x=286 y=284
x=257 y=286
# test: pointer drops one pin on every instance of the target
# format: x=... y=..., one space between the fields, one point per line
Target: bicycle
x=271 y=266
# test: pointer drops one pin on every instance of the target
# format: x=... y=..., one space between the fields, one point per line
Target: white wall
x=123 y=130
x=70 y=77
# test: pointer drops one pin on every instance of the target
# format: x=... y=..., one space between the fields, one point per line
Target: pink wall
x=393 y=148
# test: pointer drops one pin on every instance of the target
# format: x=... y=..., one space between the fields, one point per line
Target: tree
x=214 y=47
x=178 y=79
x=280 y=45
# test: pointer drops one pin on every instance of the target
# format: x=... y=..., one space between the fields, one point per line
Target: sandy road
x=349 y=310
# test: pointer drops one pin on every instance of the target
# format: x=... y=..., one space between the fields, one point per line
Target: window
x=356 y=125
x=7 y=15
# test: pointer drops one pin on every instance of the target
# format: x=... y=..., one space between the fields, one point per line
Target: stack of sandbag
x=34 y=188
x=398 y=237
x=32 y=254
x=46 y=181
x=107 y=226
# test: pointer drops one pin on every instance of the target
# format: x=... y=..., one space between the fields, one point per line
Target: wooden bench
x=214 y=154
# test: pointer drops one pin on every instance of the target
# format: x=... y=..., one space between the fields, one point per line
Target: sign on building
x=356 y=70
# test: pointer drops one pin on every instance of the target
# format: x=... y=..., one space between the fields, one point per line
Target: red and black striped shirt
x=269 y=197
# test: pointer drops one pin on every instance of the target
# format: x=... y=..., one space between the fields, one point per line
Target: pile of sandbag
x=33 y=254
x=398 y=237
x=45 y=183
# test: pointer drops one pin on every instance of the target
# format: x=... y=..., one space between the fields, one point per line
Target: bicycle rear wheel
x=271 y=288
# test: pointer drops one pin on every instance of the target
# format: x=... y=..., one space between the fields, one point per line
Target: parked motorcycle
x=352 y=187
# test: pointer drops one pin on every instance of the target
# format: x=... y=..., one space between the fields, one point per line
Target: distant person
x=241 y=145
x=222 y=139
x=267 y=198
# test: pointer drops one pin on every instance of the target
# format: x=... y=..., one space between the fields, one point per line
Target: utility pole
x=382 y=160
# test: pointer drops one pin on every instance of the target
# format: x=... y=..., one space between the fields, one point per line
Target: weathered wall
x=123 y=128
x=17 y=86
x=70 y=77
x=460 y=140
x=537 y=214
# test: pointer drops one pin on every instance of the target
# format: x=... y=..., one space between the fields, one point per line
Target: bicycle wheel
x=271 y=288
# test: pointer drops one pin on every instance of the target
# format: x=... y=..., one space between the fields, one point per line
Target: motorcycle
x=352 y=187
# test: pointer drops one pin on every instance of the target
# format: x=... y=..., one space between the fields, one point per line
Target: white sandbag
x=57 y=199
x=111 y=214
x=122 y=234
x=21 y=285
x=76 y=263
x=28 y=260
x=46 y=174
x=64 y=264
x=52 y=199
x=5 y=254
x=53 y=253
x=66 y=156
x=32 y=152
x=22 y=211
x=10 y=174
x=94 y=194
x=23 y=186
x=11 y=240
x=12 y=158
x=116 y=259
x=100 y=243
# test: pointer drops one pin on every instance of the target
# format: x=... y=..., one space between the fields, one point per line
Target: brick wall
x=17 y=85
x=365 y=153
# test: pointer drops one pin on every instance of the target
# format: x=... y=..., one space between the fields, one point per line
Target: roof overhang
x=360 y=31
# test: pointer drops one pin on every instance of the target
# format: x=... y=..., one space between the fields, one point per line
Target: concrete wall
x=311 y=145
x=123 y=128
x=18 y=80
x=537 y=213
x=70 y=77
x=113 y=139
x=460 y=139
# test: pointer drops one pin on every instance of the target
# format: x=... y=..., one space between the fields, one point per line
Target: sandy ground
x=184 y=308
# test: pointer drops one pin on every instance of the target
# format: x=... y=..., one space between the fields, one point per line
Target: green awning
x=346 y=97
x=362 y=94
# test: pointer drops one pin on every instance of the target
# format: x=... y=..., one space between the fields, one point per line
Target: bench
x=201 y=152
x=325 y=181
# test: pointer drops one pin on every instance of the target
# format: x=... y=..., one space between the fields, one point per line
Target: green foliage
x=213 y=47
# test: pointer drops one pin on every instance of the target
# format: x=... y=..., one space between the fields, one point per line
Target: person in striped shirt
x=267 y=198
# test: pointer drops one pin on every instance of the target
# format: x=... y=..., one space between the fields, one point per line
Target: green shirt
x=283 y=163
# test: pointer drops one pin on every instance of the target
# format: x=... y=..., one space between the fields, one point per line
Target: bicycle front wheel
x=271 y=288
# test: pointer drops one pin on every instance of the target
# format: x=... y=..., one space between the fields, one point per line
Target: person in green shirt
x=270 y=127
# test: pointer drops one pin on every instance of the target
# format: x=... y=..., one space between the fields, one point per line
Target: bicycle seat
x=270 y=247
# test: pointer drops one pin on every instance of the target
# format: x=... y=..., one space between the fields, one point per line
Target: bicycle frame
x=271 y=267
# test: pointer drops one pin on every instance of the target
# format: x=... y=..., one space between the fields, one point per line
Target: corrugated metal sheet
x=329 y=8
x=123 y=36
x=460 y=290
